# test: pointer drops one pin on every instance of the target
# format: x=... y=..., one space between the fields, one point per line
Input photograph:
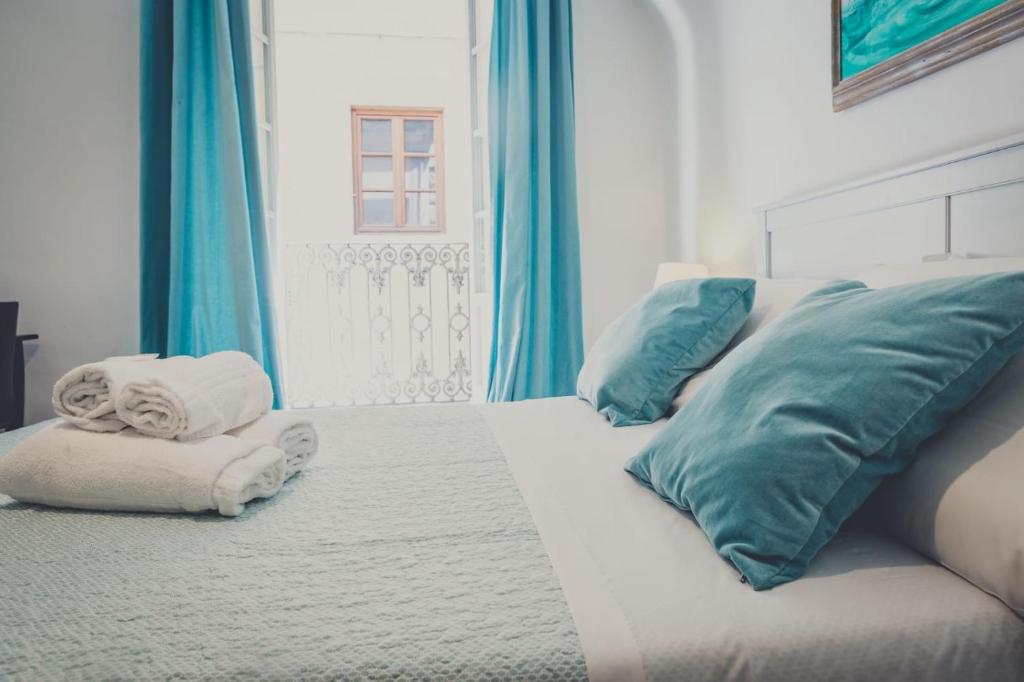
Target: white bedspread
x=404 y=552
x=650 y=597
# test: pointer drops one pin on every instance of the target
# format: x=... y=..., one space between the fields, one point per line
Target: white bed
x=649 y=594
x=650 y=597
x=407 y=556
x=406 y=551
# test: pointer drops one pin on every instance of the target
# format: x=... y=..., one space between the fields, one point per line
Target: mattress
x=652 y=599
x=470 y=542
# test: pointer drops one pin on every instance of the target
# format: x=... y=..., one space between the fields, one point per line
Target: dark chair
x=12 y=368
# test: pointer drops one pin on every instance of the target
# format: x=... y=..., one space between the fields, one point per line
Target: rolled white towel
x=85 y=395
x=189 y=398
x=284 y=429
x=64 y=466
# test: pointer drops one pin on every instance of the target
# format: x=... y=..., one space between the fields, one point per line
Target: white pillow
x=882 y=276
x=962 y=500
x=772 y=298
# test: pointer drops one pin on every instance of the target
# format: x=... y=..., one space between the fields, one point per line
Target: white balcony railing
x=378 y=323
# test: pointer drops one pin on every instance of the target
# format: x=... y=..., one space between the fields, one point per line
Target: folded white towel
x=188 y=398
x=286 y=430
x=64 y=466
x=85 y=395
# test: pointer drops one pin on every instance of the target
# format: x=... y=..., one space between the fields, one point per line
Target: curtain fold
x=537 y=347
x=205 y=266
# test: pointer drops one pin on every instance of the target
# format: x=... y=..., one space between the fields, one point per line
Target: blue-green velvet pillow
x=800 y=423
x=635 y=370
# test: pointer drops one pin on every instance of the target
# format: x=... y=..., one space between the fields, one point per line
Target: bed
x=413 y=556
x=506 y=542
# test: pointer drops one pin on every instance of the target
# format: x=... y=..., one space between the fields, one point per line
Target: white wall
x=69 y=181
x=332 y=56
x=766 y=68
x=626 y=153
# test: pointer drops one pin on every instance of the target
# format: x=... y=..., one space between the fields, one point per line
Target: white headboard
x=971 y=202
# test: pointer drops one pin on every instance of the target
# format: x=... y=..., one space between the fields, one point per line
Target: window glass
x=378 y=173
x=419 y=136
x=420 y=172
x=378 y=208
x=420 y=208
x=376 y=135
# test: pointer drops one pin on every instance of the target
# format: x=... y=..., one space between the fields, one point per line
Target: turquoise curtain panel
x=537 y=348
x=206 y=281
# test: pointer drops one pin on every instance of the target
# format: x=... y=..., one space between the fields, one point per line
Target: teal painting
x=872 y=31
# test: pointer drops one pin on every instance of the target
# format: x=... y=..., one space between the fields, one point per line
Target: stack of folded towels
x=181 y=434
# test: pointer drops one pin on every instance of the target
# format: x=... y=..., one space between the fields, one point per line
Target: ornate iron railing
x=377 y=323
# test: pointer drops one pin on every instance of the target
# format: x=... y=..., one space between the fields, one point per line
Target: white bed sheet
x=651 y=598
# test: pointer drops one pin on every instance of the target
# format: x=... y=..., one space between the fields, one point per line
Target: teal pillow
x=800 y=423
x=635 y=370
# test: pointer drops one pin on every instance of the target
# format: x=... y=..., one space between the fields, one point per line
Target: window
x=399 y=169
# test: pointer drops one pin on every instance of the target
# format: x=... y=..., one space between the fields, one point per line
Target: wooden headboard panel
x=971 y=202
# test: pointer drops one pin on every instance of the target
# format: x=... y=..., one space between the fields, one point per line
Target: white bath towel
x=64 y=466
x=85 y=395
x=286 y=430
x=189 y=398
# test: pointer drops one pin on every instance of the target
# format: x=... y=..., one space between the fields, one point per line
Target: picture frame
x=994 y=26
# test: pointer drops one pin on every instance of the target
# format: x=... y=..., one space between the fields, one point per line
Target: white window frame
x=262 y=33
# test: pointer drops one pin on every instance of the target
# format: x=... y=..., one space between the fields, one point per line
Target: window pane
x=269 y=191
x=377 y=173
x=264 y=148
x=258 y=59
x=376 y=135
x=421 y=208
x=264 y=85
x=419 y=135
x=260 y=94
x=256 y=15
x=420 y=172
x=378 y=208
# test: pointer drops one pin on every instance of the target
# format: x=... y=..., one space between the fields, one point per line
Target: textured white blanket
x=288 y=431
x=64 y=466
x=419 y=562
x=189 y=398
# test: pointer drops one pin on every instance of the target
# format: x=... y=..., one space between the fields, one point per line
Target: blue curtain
x=204 y=248
x=537 y=347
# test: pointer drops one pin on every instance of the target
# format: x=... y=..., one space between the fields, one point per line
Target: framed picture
x=878 y=45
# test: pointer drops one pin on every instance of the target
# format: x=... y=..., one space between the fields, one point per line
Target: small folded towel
x=189 y=398
x=85 y=395
x=284 y=429
x=64 y=466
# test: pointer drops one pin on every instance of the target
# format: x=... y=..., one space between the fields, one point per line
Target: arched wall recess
x=687 y=206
